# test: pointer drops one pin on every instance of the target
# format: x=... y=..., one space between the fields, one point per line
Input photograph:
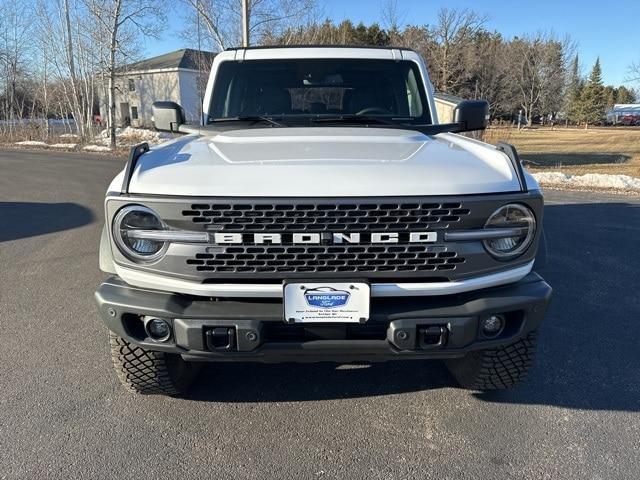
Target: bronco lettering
x=317 y=239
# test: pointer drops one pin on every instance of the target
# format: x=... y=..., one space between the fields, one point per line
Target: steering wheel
x=373 y=110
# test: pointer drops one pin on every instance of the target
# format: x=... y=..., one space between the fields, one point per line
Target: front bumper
x=253 y=329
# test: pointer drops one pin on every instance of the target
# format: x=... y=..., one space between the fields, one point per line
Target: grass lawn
x=613 y=150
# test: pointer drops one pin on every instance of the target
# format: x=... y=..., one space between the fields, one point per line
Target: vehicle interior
x=315 y=88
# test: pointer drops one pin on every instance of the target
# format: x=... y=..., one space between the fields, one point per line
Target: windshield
x=320 y=88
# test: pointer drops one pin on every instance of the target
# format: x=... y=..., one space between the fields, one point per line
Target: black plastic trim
x=136 y=152
x=250 y=318
x=272 y=47
x=512 y=153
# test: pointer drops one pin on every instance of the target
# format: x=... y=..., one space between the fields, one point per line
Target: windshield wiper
x=247 y=118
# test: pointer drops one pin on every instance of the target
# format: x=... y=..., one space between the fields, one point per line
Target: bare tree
x=538 y=67
x=392 y=20
x=486 y=74
x=453 y=33
x=70 y=70
x=392 y=16
x=222 y=19
x=119 y=23
x=15 y=50
x=633 y=72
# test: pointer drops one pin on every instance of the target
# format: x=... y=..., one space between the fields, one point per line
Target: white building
x=445 y=106
x=624 y=114
x=178 y=76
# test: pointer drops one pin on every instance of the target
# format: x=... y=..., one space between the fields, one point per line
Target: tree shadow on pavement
x=29 y=219
x=588 y=356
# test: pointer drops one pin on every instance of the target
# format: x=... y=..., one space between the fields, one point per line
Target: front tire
x=495 y=369
x=148 y=372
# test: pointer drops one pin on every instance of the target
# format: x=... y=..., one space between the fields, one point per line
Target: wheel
x=148 y=372
x=495 y=369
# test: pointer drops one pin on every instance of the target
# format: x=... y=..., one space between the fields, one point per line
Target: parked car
x=321 y=213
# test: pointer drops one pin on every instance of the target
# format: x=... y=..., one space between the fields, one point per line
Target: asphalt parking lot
x=62 y=414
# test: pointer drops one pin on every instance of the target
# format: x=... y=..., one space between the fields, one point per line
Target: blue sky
x=598 y=27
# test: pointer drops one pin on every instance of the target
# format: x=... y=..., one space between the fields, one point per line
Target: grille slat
x=329 y=217
x=346 y=258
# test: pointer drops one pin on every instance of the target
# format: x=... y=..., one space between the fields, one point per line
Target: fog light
x=492 y=326
x=158 y=329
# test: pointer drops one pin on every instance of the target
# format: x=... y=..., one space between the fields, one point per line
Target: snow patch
x=96 y=148
x=68 y=135
x=67 y=146
x=35 y=143
x=590 y=180
x=132 y=136
x=31 y=143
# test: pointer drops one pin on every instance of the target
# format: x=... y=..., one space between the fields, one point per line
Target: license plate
x=326 y=302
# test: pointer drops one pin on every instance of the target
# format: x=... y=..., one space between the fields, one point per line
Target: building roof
x=186 y=58
x=626 y=108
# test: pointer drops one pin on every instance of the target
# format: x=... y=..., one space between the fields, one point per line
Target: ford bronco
x=322 y=211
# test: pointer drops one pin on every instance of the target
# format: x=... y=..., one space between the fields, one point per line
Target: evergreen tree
x=592 y=98
x=624 y=95
x=620 y=95
x=611 y=94
x=573 y=92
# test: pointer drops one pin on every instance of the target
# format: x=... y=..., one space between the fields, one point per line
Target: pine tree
x=611 y=94
x=592 y=98
x=624 y=95
x=574 y=89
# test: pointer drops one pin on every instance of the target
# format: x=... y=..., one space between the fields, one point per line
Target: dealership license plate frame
x=305 y=302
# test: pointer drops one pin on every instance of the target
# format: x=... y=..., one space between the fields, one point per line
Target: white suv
x=321 y=212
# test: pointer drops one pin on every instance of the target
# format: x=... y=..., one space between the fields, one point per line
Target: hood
x=322 y=162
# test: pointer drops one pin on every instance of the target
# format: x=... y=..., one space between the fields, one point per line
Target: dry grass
x=613 y=150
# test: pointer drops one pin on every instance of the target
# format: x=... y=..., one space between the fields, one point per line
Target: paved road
x=62 y=415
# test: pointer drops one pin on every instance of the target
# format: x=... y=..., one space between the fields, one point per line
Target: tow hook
x=221 y=338
x=410 y=335
x=433 y=336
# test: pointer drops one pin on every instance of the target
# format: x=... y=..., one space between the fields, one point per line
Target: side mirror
x=471 y=115
x=167 y=116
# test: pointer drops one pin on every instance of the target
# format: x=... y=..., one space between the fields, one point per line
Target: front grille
x=257 y=260
x=325 y=217
x=325 y=259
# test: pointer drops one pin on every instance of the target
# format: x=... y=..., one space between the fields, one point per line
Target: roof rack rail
x=372 y=47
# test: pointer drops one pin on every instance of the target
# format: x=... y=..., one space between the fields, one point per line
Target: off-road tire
x=148 y=372
x=495 y=369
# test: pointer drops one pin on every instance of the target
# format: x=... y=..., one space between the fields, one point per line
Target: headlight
x=517 y=219
x=133 y=228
